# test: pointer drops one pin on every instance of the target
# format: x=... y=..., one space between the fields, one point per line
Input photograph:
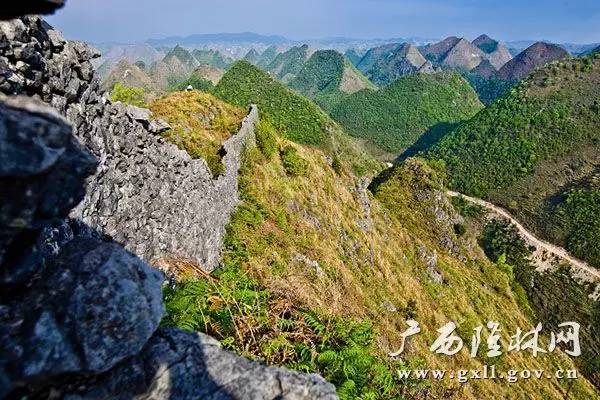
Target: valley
x=312 y=238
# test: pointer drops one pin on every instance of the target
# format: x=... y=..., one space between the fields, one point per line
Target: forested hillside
x=535 y=151
x=393 y=118
x=328 y=77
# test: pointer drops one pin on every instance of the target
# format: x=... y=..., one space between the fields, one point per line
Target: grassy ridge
x=200 y=124
x=394 y=117
x=306 y=274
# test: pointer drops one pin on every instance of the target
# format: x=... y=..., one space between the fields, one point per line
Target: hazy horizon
x=561 y=21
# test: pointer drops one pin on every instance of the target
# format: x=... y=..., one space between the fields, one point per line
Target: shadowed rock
x=13 y=9
x=42 y=175
x=188 y=366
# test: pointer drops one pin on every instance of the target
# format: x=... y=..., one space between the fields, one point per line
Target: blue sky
x=134 y=20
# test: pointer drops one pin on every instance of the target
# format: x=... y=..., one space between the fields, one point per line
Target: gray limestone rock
x=179 y=365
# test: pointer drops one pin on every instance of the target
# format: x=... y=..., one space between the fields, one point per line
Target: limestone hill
x=463 y=55
x=485 y=69
x=496 y=53
x=181 y=55
x=435 y=52
x=459 y=53
x=252 y=57
x=287 y=65
x=353 y=56
x=537 y=55
x=384 y=64
x=211 y=74
x=267 y=57
x=328 y=77
x=130 y=75
x=212 y=58
x=395 y=117
x=294 y=116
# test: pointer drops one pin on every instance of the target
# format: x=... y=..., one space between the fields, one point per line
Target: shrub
x=336 y=164
x=460 y=229
x=266 y=138
x=128 y=95
x=293 y=163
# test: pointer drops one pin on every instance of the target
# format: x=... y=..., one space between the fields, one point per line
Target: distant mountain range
x=204 y=39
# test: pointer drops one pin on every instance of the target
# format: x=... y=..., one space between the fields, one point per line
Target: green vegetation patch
x=299 y=119
x=545 y=116
x=393 y=118
x=128 y=95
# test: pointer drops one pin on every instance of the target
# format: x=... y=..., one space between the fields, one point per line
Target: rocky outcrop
x=183 y=365
x=146 y=194
x=71 y=302
x=79 y=314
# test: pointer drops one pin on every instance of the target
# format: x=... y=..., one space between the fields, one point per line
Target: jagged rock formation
x=537 y=55
x=145 y=191
x=496 y=53
x=78 y=313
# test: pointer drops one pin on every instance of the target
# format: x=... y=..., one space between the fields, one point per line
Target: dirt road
x=538 y=243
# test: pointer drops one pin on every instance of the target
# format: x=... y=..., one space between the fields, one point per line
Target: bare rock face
x=146 y=193
x=463 y=55
x=44 y=167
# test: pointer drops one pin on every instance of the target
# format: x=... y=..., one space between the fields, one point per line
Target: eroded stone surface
x=146 y=194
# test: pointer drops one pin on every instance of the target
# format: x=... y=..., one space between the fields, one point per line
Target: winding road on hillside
x=538 y=243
